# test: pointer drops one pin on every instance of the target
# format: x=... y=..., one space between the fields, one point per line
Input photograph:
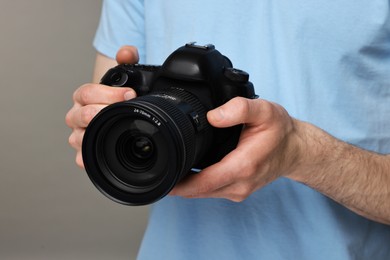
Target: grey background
x=48 y=207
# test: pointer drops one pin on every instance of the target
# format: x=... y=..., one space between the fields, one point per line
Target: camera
x=137 y=150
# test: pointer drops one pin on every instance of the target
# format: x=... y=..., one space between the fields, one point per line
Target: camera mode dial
x=236 y=75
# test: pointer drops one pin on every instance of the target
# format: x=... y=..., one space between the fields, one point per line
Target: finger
x=237 y=180
x=76 y=138
x=213 y=177
x=236 y=192
x=69 y=115
x=127 y=54
x=79 y=159
x=82 y=116
x=199 y=183
x=238 y=111
x=100 y=94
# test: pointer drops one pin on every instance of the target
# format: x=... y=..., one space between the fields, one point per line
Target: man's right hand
x=90 y=98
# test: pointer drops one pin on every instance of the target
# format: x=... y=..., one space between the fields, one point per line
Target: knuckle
x=275 y=111
x=241 y=105
x=68 y=118
x=76 y=139
x=75 y=94
x=86 y=114
x=242 y=109
x=72 y=140
x=84 y=94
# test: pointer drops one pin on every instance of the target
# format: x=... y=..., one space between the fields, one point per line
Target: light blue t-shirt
x=327 y=62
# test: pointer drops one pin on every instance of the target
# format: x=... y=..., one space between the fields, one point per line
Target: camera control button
x=236 y=75
x=203 y=47
x=195 y=120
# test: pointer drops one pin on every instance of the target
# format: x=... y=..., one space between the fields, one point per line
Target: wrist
x=315 y=151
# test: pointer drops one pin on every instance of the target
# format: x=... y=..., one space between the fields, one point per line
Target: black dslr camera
x=136 y=151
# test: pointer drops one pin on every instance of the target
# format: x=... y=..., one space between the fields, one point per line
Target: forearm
x=358 y=179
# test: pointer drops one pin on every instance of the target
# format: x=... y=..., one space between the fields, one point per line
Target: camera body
x=136 y=151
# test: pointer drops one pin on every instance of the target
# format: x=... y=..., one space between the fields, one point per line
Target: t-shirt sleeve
x=121 y=23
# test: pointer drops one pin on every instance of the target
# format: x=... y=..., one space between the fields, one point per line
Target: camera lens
x=136 y=151
x=142 y=148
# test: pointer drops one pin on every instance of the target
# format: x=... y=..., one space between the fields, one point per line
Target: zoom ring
x=193 y=101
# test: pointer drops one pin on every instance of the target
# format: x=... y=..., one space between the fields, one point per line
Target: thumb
x=234 y=112
x=127 y=54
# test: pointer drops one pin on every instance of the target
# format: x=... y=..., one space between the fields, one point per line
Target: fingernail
x=129 y=95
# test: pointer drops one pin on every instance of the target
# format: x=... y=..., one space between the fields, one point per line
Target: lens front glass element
x=141 y=148
x=135 y=151
x=131 y=152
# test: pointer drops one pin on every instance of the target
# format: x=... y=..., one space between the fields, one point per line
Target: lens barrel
x=136 y=151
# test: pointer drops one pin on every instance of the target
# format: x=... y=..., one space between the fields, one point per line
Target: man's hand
x=90 y=98
x=272 y=144
x=266 y=150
